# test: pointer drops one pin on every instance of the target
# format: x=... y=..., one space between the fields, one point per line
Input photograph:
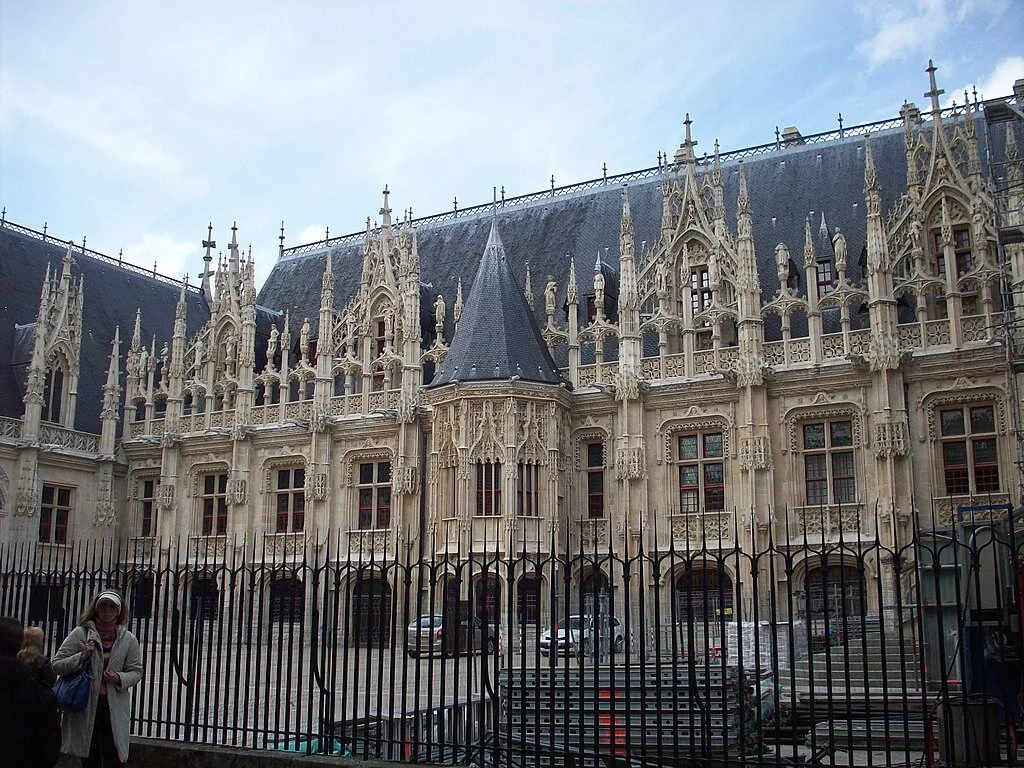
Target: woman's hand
x=90 y=646
x=110 y=676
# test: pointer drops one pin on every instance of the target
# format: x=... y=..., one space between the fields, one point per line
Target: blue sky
x=137 y=123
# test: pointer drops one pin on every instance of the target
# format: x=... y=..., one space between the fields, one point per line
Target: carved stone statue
x=839 y=247
x=304 y=340
x=549 y=295
x=272 y=344
x=230 y=353
x=661 y=278
x=143 y=370
x=439 y=314
x=200 y=354
x=782 y=265
x=165 y=363
x=599 y=291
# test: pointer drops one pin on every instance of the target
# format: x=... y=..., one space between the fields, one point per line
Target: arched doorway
x=287 y=600
x=487 y=599
x=834 y=591
x=703 y=594
x=371 y=612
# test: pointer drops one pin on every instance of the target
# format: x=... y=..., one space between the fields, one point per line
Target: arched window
x=204 y=599
x=595 y=593
x=528 y=599
x=834 y=591
x=53 y=394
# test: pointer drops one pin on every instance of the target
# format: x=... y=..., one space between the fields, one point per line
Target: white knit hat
x=110 y=595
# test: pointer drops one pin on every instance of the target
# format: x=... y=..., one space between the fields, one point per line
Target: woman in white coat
x=99 y=734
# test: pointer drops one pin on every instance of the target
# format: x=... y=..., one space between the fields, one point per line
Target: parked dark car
x=429 y=635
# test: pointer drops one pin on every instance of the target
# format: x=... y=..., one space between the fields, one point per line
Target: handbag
x=73 y=690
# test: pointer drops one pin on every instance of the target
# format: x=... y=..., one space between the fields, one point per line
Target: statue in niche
x=839 y=247
x=304 y=340
x=272 y=344
x=230 y=352
x=549 y=295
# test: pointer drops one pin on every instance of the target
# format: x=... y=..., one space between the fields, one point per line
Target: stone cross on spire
x=685 y=152
x=385 y=211
x=935 y=92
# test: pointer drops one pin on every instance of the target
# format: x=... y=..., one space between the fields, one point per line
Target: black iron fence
x=821 y=649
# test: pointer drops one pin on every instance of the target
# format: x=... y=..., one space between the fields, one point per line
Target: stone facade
x=714 y=396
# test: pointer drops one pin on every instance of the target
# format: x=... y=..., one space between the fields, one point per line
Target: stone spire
x=498 y=337
x=233 y=249
x=111 y=394
x=209 y=244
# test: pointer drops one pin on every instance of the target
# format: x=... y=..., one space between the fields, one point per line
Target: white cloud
x=902 y=29
x=170 y=255
x=1000 y=82
x=310 y=234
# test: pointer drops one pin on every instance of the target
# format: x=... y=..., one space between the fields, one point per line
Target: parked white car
x=582 y=635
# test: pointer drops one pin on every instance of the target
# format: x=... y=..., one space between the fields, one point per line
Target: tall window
x=700 y=290
x=701 y=472
x=147 y=510
x=53 y=394
x=379 y=338
x=291 y=500
x=970 y=461
x=214 y=502
x=528 y=490
x=54 y=513
x=595 y=480
x=488 y=488
x=828 y=462
x=374 y=495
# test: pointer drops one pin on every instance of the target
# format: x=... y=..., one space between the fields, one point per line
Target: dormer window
x=825 y=277
x=700 y=290
x=961 y=250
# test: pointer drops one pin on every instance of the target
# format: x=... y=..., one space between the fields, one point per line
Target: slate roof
x=112 y=294
x=497 y=336
x=785 y=188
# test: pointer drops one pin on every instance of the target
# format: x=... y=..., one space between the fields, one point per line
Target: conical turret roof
x=497 y=337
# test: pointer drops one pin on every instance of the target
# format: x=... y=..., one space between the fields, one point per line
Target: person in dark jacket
x=29 y=722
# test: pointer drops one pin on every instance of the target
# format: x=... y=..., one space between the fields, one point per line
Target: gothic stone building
x=803 y=341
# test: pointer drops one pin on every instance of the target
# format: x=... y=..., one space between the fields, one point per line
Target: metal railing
x=80 y=249
x=791 y=652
